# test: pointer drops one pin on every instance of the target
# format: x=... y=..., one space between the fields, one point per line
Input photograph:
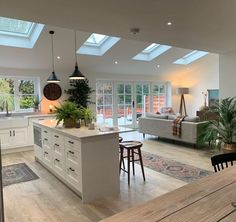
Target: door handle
x=133 y=104
x=10 y=132
x=14 y=133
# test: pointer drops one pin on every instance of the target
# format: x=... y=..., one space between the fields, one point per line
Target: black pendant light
x=52 y=77
x=76 y=74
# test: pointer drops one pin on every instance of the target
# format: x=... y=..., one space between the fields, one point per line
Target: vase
x=69 y=123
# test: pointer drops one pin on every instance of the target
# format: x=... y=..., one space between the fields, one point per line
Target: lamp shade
x=53 y=78
x=182 y=90
x=76 y=74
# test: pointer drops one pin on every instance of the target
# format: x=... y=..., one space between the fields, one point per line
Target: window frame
x=17 y=93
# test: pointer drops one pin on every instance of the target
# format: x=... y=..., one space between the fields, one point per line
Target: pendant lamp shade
x=52 y=77
x=76 y=75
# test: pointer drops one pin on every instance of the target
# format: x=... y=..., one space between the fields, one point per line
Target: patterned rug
x=17 y=173
x=173 y=168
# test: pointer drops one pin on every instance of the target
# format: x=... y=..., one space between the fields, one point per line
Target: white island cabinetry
x=85 y=160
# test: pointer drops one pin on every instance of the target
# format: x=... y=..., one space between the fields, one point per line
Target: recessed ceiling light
x=116 y=62
x=158 y=66
x=58 y=57
x=169 y=23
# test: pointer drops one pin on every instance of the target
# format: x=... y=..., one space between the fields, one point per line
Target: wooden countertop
x=207 y=200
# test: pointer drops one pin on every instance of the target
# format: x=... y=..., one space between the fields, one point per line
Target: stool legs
x=121 y=158
x=133 y=161
x=141 y=162
x=128 y=161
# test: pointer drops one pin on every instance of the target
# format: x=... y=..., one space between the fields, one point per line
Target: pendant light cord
x=53 y=67
x=75 y=50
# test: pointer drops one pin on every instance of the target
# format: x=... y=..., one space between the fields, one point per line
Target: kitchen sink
x=13 y=121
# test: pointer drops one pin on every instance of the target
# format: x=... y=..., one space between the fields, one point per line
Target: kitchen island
x=87 y=161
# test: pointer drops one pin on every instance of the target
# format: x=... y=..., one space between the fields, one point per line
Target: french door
x=122 y=103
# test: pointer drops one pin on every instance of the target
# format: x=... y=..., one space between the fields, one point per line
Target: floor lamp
x=182 y=107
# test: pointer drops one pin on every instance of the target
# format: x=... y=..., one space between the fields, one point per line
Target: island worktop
x=87 y=161
x=78 y=133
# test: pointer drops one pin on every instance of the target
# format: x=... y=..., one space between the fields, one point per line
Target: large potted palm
x=68 y=113
x=222 y=131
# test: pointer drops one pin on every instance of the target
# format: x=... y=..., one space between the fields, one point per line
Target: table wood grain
x=208 y=199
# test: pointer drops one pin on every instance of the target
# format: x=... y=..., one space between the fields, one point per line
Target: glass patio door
x=124 y=98
x=104 y=102
x=142 y=100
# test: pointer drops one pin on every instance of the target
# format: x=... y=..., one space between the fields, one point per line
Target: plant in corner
x=221 y=132
x=80 y=92
x=68 y=113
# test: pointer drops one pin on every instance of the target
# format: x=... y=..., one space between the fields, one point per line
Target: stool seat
x=132 y=148
x=130 y=144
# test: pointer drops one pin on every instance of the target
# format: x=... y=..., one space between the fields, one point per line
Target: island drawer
x=58 y=148
x=73 y=155
x=47 y=156
x=73 y=174
x=71 y=143
x=59 y=164
x=58 y=139
x=46 y=133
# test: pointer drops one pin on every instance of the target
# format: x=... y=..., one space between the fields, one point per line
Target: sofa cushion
x=158 y=116
x=192 y=119
x=172 y=117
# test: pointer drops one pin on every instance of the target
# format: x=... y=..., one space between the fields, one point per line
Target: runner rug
x=17 y=173
x=173 y=168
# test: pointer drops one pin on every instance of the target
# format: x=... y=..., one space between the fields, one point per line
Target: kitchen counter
x=87 y=161
x=78 y=133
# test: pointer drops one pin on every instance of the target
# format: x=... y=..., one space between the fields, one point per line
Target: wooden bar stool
x=131 y=148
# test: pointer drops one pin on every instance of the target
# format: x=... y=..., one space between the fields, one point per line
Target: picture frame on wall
x=213 y=97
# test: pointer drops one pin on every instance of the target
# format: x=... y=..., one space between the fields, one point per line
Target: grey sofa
x=162 y=127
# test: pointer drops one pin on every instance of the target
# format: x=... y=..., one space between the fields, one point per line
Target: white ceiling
x=39 y=57
x=203 y=25
x=197 y=24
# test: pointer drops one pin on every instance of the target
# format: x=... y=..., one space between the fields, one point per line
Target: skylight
x=15 y=27
x=96 y=39
x=150 y=48
x=151 y=52
x=97 y=44
x=191 y=57
x=18 y=33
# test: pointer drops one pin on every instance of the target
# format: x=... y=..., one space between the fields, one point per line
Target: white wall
x=227 y=76
x=200 y=76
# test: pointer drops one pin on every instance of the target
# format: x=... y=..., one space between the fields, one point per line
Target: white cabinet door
x=19 y=137
x=5 y=136
x=13 y=138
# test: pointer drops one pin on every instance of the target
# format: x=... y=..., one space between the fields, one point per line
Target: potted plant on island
x=87 y=114
x=68 y=113
x=221 y=132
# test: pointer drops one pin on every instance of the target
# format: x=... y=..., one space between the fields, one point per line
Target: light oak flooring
x=49 y=200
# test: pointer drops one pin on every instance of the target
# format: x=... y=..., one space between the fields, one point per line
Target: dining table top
x=212 y=198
